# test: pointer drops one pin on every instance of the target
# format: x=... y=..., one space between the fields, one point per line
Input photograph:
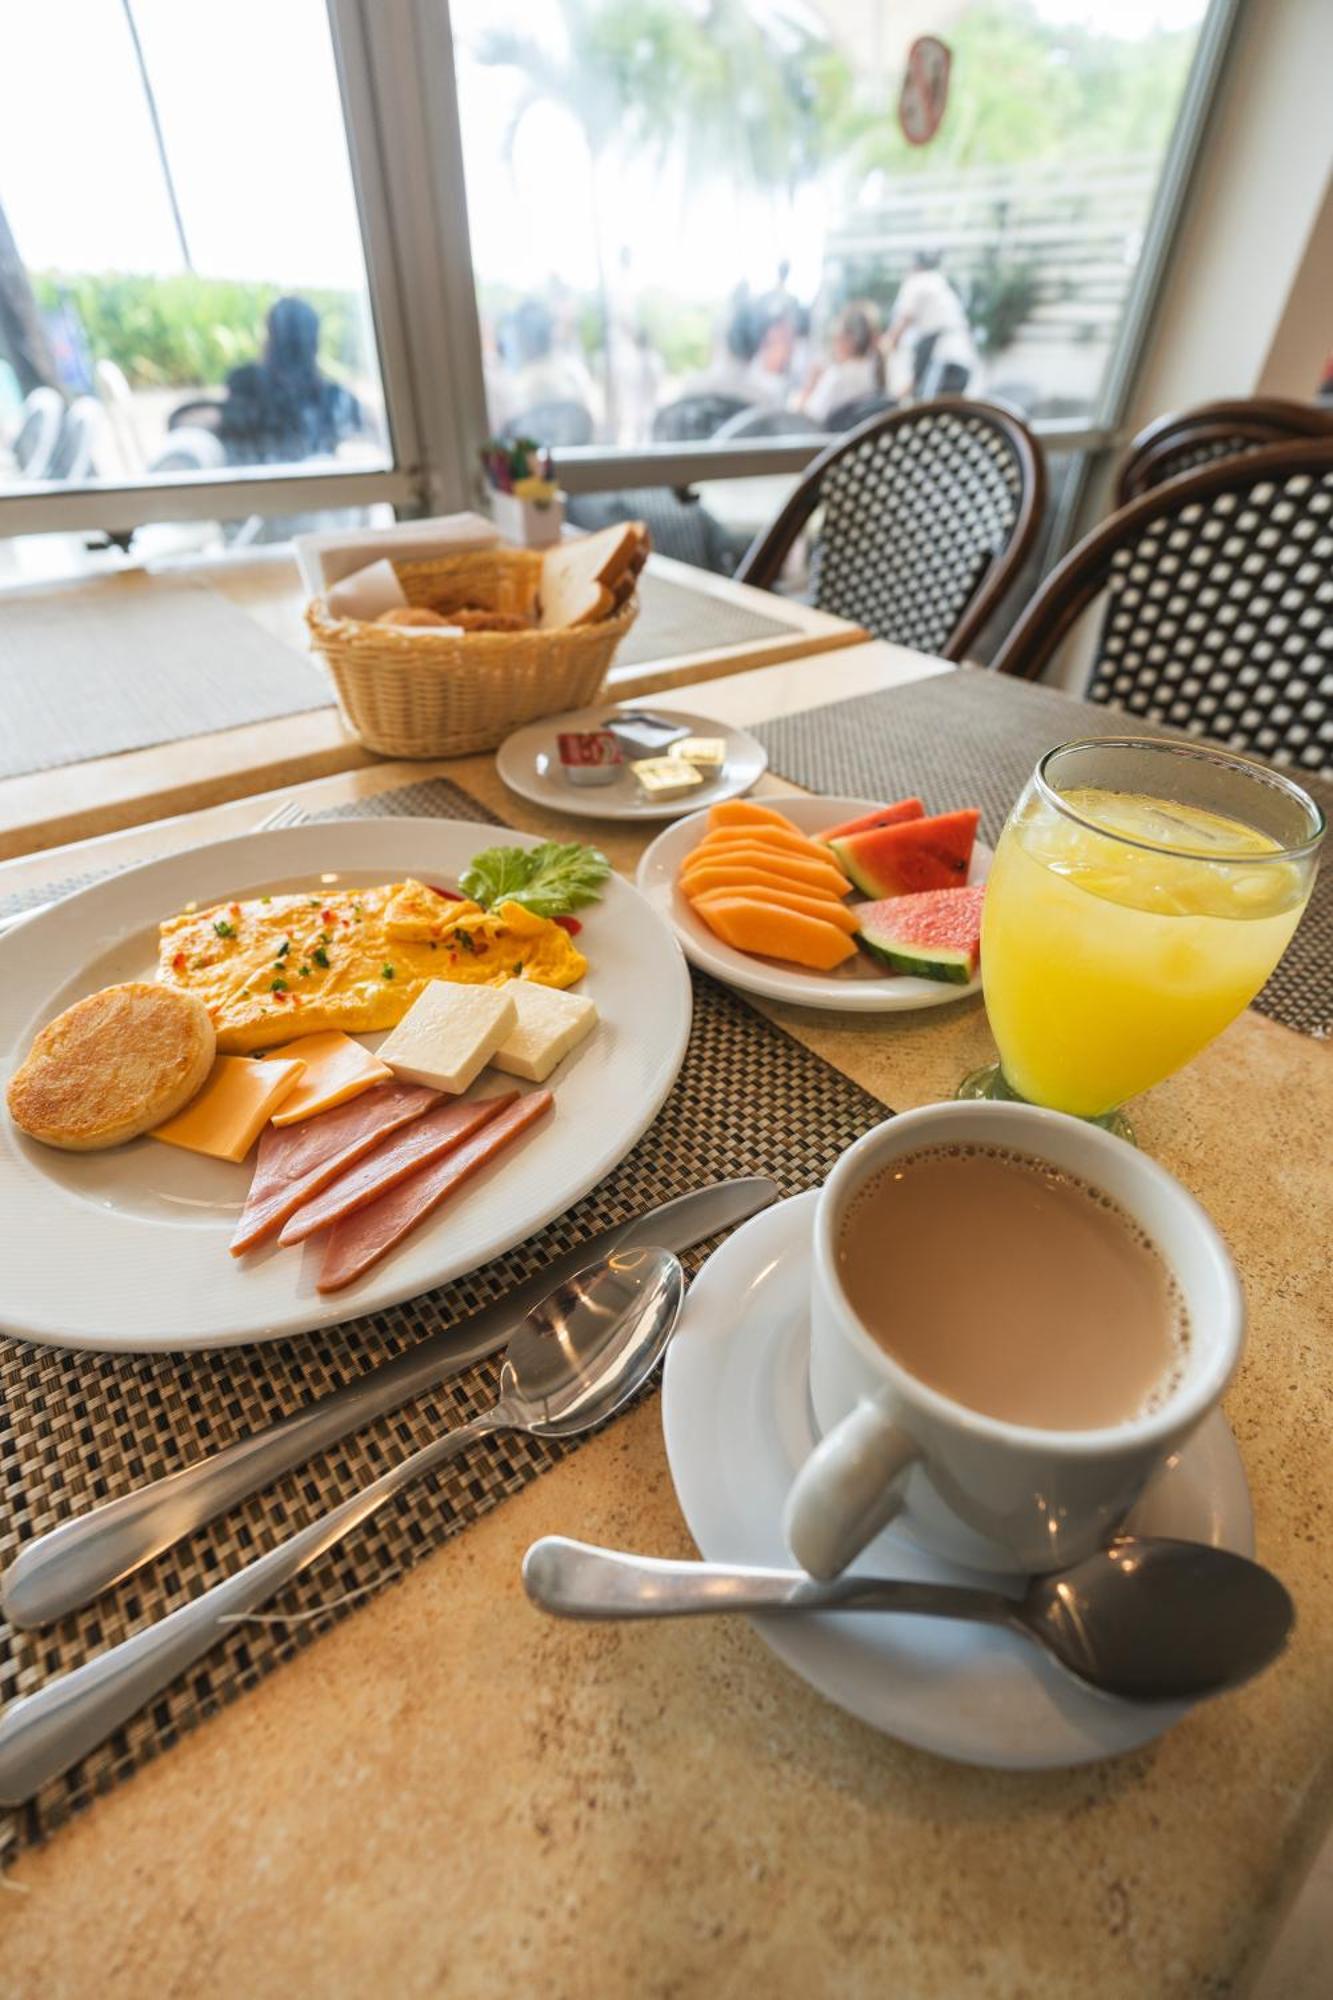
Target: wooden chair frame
x=763 y=561
x=1248 y=423
x=1079 y=579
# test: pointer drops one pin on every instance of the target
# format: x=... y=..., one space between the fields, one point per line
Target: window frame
x=396 y=76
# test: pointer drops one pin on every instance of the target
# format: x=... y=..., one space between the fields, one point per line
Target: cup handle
x=848 y=1489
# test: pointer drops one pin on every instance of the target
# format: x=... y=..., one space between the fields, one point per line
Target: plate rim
x=314 y=1313
x=847 y=997
x=647 y=814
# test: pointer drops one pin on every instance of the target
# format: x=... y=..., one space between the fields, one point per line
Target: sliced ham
x=363 y=1238
x=296 y=1161
x=430 y=1138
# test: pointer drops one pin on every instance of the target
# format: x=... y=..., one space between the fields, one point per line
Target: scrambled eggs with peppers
x=275 y=967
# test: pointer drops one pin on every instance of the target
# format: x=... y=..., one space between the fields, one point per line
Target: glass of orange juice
x=1141 y=894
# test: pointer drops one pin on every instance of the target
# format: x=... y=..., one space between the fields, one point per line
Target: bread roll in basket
x=433 y=691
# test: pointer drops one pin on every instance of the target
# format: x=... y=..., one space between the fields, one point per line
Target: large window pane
x=182 y=285
x=702 y=218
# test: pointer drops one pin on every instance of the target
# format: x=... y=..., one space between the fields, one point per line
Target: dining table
x=446 y=1792
x=78 y=648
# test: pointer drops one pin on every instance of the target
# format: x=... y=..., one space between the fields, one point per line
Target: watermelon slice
x=915 y=855
x=936 y=935
x=893 y=815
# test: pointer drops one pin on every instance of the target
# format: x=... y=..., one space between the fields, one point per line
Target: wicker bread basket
x=408 y=692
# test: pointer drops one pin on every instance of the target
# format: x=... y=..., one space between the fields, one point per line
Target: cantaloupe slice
x=823 y=907
x=814 y=874
x=747 y=876
x=771 y=932
x=744 y=812
x=766 y=836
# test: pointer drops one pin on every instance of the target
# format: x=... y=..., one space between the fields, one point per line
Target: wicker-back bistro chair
x=928 y=513
x=1192 y=438
x=1219 y=605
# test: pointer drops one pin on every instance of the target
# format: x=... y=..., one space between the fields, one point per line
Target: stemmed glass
x=1141 y=894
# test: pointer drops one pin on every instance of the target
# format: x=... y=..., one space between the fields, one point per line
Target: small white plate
x=530 y=765
x=737 y=1421
x=126 y=1250
x=858 y=987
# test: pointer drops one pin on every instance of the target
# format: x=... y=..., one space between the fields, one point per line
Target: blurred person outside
x=637 y=370
x=283 y=408
x=781 y=301
x=771 y=377
x=856 y=367
x=533 y=371
x=929 y=315
x=639 y=374
x=735 y=344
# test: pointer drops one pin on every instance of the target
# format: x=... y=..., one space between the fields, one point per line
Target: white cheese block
x=548 y=1025
x=448 y=1034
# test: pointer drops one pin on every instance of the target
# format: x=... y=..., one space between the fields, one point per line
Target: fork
x=287 y=814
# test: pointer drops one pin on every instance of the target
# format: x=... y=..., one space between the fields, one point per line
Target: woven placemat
x=972 y=738
x=76 y=1429
x=674 y=620
x=121 y=664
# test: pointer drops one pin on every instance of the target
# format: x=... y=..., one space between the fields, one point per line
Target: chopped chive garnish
x=320 y=957
x=277 y=986
x=284 y=947
x=305 y=971
x=224 y=929
x=386 y=972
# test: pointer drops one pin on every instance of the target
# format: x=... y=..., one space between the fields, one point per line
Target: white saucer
x=529 y=763
x=737 y=1421
x=860 y=986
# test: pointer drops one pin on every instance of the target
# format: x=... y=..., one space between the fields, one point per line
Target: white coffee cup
x=991 y=1494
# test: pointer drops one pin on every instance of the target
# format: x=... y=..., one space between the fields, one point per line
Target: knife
x=62 y=1571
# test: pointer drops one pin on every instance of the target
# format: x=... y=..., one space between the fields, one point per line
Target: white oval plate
x=737 y=1421
x=858 y=987
x=530 y=765
x=126 y=1250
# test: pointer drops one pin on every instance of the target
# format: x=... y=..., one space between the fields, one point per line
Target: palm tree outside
x=755 y=101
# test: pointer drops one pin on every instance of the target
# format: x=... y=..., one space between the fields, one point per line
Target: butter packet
x=666 y=777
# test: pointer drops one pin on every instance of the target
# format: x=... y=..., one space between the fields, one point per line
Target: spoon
x=1145 y=1619
x=577 y=1357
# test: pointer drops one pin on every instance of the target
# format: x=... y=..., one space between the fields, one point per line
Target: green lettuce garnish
x=551 y=880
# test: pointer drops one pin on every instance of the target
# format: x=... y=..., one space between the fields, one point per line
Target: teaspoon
x=1145 y=1619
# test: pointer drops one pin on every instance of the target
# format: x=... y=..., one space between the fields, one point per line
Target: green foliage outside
x=1025 y=91
x=187 y=332
x=680 y=330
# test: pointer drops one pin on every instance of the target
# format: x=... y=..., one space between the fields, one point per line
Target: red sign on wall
x=925 y=90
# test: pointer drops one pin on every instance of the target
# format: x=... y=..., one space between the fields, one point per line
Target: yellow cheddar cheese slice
x=336 y=1069
x=233 y=1107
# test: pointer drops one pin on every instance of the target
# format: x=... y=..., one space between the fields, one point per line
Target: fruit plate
x=530 y=765
x=126 y=1250
x=858 y=987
